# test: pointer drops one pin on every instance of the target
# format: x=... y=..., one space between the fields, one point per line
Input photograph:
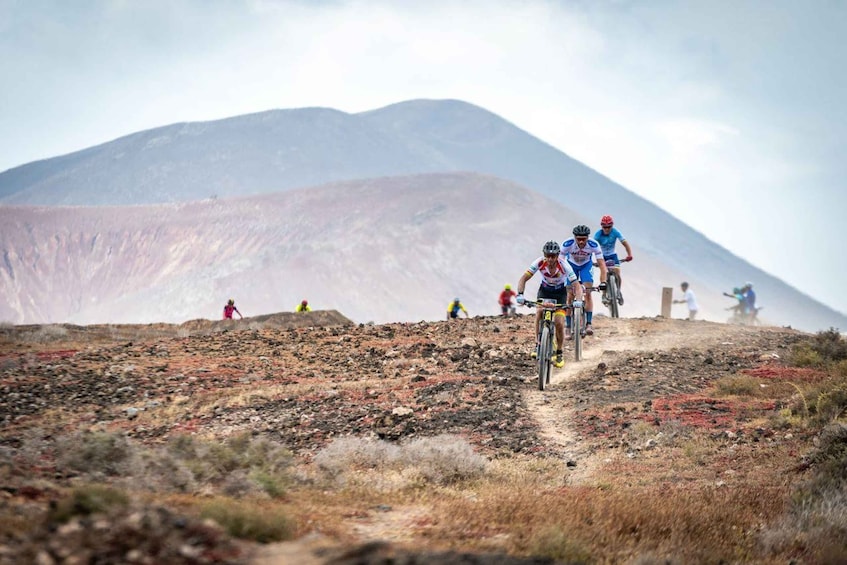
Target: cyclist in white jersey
x=582 y=251
x=557 y=277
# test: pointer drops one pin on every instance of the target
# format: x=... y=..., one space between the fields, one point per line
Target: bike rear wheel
x=612 y=295
x=577 y=328
x=544 y=353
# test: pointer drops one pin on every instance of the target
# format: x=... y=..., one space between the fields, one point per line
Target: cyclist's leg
x=587 y=280
x=559 y=325
x=568 y=300
x=559 y=317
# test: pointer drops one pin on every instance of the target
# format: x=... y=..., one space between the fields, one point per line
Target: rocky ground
x=305 y=379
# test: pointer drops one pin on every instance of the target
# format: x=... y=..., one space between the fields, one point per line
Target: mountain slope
x=383 y=250
x=389 y=249
x=286 y=149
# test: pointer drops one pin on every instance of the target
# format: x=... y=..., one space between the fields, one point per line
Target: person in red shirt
x=505 y=300
x=229 y=309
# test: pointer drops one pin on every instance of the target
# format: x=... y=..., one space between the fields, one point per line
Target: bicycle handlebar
x=610 y=263
x=542 y=303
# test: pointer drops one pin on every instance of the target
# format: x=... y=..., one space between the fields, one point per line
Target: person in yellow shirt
x=303 y=306
x=454 y=308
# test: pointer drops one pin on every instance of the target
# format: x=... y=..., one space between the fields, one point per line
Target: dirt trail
x=552 y=408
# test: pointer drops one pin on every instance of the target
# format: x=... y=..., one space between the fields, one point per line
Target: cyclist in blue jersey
x=581 y=251
x=607 y=236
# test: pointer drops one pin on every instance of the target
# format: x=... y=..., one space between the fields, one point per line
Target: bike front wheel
x=612 y=295
x=577 y=328
x=544 y=353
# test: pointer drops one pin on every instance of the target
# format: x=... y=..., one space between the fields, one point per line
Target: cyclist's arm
x=602 y=264
x=522 y=282
x=627 y=247
x=577 y=291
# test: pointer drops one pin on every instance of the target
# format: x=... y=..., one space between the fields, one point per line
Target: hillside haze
x=281 y=150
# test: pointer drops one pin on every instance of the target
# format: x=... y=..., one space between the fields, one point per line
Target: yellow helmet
x=508 y=287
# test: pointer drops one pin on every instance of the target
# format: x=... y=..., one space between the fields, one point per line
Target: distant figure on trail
x=607 y=236
x=738 y=309
x=303 y=306
x=229 y=309
x=749 y=300
x=454 y=308
x=688 y=298
x=506 y=297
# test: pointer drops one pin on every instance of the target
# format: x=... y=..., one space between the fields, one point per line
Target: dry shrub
x=251 y=520
x=691 y=524
x=44 y=334
x=239 y=465
x=93 y=453
x=442 y=459
x=826 y=347
x=816 y=525
x=738 y=385
x=86 y=500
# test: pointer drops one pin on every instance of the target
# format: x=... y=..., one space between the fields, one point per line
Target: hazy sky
x=728 y=114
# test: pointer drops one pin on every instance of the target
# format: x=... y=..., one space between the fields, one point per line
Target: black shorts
x=560 y=295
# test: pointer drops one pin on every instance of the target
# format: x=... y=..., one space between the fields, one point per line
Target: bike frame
x=610 y=295
x=578 y=322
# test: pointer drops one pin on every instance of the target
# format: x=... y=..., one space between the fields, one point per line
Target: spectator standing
x=689 y=299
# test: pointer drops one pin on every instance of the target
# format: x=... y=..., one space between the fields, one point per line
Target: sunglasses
x=581 y=238
x=606 y=227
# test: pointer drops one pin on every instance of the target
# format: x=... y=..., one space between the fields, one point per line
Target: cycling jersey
x=607 y=242
x=579 y=256
x=454 y=307
x=749 y=301
x=506 y=297
x=562 y=276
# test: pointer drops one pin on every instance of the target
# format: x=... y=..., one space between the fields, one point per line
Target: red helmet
x=606 y=221
x=305 y=302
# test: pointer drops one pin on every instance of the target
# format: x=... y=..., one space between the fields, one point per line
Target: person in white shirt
x=688 y=298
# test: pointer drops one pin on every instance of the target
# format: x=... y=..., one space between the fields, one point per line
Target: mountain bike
x=742 y=318
x=611 y=296
x=545 y=349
